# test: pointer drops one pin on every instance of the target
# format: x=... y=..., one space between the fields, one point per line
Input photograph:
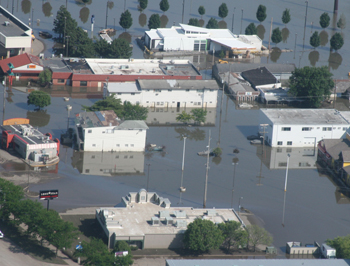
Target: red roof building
x=25 y=66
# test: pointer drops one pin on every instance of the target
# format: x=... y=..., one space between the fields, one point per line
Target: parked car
x=1 y=235
x=251 y=137
x=45 y=34
x=255 y=141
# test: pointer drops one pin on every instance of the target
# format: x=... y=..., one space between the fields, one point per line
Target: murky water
x=243 y=12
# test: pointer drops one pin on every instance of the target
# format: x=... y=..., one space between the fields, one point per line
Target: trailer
x=328 y=252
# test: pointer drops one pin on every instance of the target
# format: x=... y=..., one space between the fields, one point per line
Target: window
x=118 y=145
x=60 y=81
x=170 y=90
x=126 y=145
x=289 y=142
x=202 y=90
x=131 y=156
x=103 y=132
x=289 y=149
x=286 y=128
x=282 y=164
x=279 y=150
x=306 y=129
x=211 y=90
x=344 y=128
x=132 y=145
x=132 y=93
x=93 y=157
x=279 y=142
x=89 y=131
x=93 y=145
x=119 y=93
x=125 y=156
x=87 y=171
x=157 y=90
x=83 y=83
x=187 y=89
x=326 y=129
x=117 y=156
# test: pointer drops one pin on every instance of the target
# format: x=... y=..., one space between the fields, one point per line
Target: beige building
x=148 y=221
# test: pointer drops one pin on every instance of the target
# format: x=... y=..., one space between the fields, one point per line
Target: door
x=178 y=104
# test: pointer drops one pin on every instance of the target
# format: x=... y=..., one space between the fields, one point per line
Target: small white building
x=166 y=93
x=302 y=127
x=102 y=131
x=191 y=38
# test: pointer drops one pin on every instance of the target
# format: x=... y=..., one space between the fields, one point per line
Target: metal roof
x=177 y=84
x=132 y=124
x=238 y=68
x=122 y=87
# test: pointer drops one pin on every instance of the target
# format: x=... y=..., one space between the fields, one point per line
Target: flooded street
x=314 y=207
x=243 y=13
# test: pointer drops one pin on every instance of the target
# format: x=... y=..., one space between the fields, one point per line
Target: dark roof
x=335 y=146
x=20 y=60
x=97 y=119
x=259 y=76
x=238 y=68
x=341 y=86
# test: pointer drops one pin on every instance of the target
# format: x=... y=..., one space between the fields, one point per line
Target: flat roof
x=305 y=116
x=232 y=43
x=123 y=87
x=15 y=27
x=56 y=65
x=258 y=262
x=240 y=67
x=131 y=66
x=97 y=119
x=28 y=134
x=177 y=84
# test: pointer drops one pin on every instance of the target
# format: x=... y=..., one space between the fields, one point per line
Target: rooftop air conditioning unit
x=6 y=23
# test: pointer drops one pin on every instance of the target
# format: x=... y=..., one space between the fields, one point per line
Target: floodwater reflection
x=163 y=21
x=84 y=14
x=142 y=19
x=126 y=36
x=261 y=31
x=335 y=60
x=275 y=54
x=47 y=8
x=285 y=34
x=191 y=133
x=222 y=24
x=323 y=38
x=38 y=118
x=26 y=6
x=201 y=22
x=314 y=56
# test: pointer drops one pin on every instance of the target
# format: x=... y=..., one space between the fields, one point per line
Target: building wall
x=118 y=140
x=154 y=241
x=173 y=98
x=18 y=42
x=178 y=43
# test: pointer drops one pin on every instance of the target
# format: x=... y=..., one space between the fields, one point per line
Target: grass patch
x=23 y=243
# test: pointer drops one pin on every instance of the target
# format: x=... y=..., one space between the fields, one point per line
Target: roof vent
x=7 y=23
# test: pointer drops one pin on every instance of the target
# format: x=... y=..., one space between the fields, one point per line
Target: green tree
x=201 y=11
x=125 y=20
x=10 y=196
x=95 y=253
x=341 y=22
x=341 y=245
x=325 y=20
x=212 y=24
x=311 y=84
x=276 y=36
x=337 y=41
x=194 y=22
x=134 y=112
x=202 y=235
x=261 y=13
x=223 y=10
x=45 y=77
x=315 y=40
x=164 y=5
x=286 y=16
x=154 y=21
x=80 y=45
x=109 y=103
x=143 y=4
x=258 y=236
x=251 y=29
x=63 y=235
x=184 y=117
x=199 y=115
x=120 y=48
x=39 y=99
x=234 y=235
x=64 y=23
x=123 y=246
x=217 y=152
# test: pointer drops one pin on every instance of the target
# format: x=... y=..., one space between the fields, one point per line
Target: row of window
x=117 y=156
x=281 y=143
x=311 y=128
x=302 y=164
x=118 y=145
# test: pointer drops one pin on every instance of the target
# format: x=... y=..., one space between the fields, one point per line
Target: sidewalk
x=37 y=47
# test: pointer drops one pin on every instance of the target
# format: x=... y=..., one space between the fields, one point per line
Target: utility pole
x=13 y=6
x=206 y=174
x=270 y=33
x=106 y=14
x=148 y=165
x=64 y=32
x=3 y=109
x=307 y=5
x=241 y=22
x=335 y=6
x=67 y=37
x=295 y=44
x=183 y=10
x=32 y=18
x=263 y=132
x=233 y=18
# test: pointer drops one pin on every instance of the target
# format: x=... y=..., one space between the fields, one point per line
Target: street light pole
x=307 y=5
x=206 y=174
x=239 y=205
x=32 y=18
x=234 y=163
x=64 y=32
x=106 y=14
x=69 y=108
x=241 y=22
x=285 y=182
x=148 y=165
x=183 y=10
x=67 y=37
x=183 y=163
x=233 y=17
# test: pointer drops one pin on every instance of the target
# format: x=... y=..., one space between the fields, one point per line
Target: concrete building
x=191 y=38
x=94 y=72
x=166 y=93
x=102 y=131
x=109 y=163
x=27 y=141
x=257 y=262
x=15 y=36
x=148 y=221
x=302 y=127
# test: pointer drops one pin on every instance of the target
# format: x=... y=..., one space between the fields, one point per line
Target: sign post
x=48 y=195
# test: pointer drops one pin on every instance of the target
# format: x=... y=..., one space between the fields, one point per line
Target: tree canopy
x=134 y=112
x=251 y=29
x=40 y=99
x=234 y=235
x=212 y=24
x=125 y=20
x=202 y=235
x=261 y=13
x=62 y=22
x=119 y=48
x=341 y=245
x=223 y=10
x=142 y=4
x=337 y=41
x=199 y=115
x=341 y=22
x=286 y=16
x=154 y=21
x=315 y=40
x=45 y=77
x=184 y=117
x=276 y=36
x=164 y=5
x=311 y=84
x=194 y=22
x=325 y=20
x=258 y=235
x=201 y=11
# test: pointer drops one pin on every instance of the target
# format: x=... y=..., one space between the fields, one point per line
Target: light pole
x=239 y=205
x=106 y=14
x=285 y=182
x=234 y=163
x=233 y=18
x=183 y=10
x=64 y=32
x=183 y=163
x=241 y=22
x=148 y=165
x=124 y=4
x=295 y=44
x=32 y=18
x=67 y=37
x=114 y=24
x=307 y=5
x=66 y=4
x=69 y=108
x=206 y=173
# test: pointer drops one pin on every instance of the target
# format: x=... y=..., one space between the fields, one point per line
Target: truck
x=328 y=252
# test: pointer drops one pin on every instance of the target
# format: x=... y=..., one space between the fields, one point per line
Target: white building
x=166 y=93
x=191 y=38
x=102 y=131
x=302 y=127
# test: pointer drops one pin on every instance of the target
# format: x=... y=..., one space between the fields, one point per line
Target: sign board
x=78 y=247
x=31 y=66
x=48 y=194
